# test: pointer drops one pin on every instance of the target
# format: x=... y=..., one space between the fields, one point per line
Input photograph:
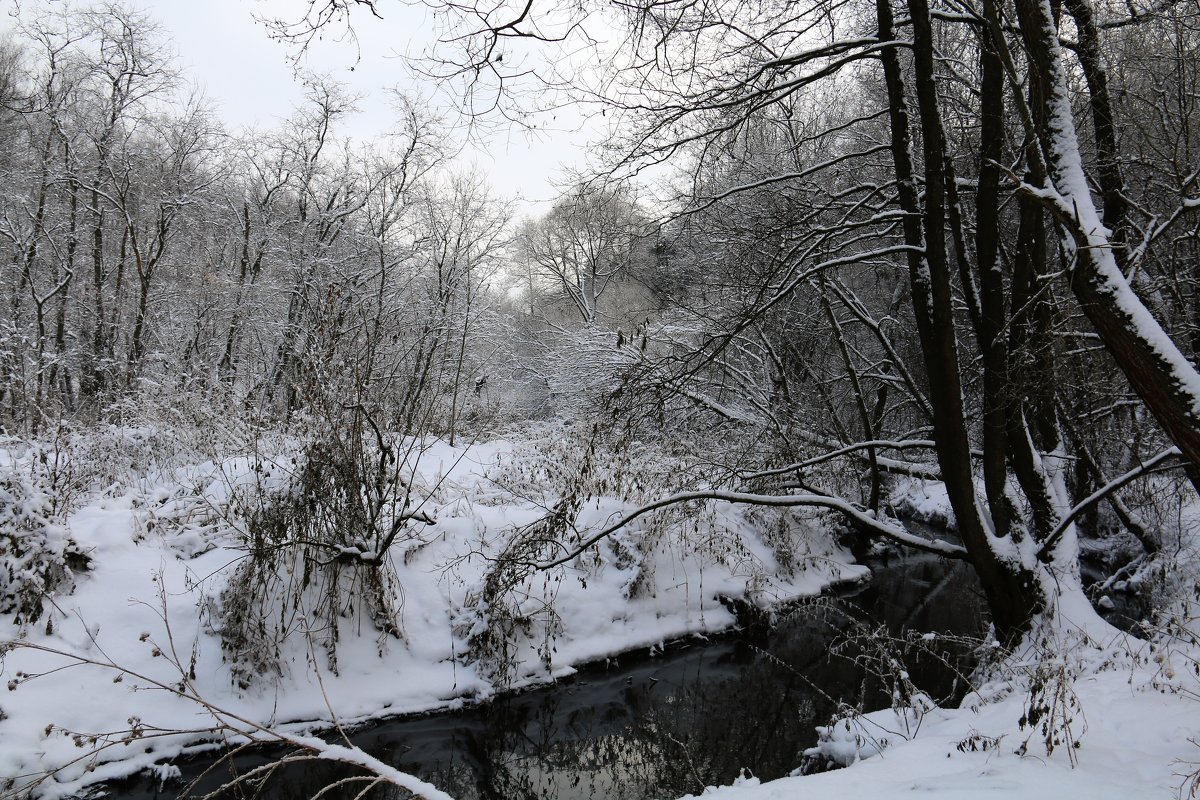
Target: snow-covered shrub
x=142 y=452
x=37 y=555
x=576 y=371
x=573 y=473
x=497 y=612
x=846 y=739
x=1168 y=582
x=1162 y=581
x=1053 y=713
x=318 y=545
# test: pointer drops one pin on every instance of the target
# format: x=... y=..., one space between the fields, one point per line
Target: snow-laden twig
x=227 y=722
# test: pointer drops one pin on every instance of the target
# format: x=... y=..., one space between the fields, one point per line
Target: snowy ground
x=163 y=542
x=161 y=551
x=1136 y=742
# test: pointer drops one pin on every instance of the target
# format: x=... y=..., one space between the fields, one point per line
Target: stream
x=657 y=726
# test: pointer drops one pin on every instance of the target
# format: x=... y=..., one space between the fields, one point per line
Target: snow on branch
x=225 y=721
x=1101 y=493
x=893 y=465
x=895 y=533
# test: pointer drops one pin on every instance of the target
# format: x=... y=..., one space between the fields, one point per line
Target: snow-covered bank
x=163 y=546
x=149 y=612
x=1139 y=742
x=1084 y=712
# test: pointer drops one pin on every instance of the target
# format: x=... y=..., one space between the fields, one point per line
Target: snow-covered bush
x=37 y=555
x=1160 y=579
x=318 y=547
x=1053 y=714
x=585 y=480
x=846 y=739
x=500 y=609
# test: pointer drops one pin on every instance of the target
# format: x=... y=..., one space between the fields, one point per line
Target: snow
x=128 y=670
x=135 y=646
x=1139 y=742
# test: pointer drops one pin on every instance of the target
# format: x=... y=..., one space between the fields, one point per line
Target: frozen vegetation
x=159 y=605
x=148 y=624
x=299 y=431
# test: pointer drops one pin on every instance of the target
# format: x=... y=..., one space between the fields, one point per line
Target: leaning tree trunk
x=1161 y=375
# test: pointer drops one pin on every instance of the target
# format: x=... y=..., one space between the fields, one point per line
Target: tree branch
x=1103 y=492
x=895 y=533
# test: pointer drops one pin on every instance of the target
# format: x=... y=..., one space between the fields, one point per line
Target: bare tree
x=589 y=241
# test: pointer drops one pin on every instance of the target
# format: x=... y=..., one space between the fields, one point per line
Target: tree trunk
x=993 y=313
x=1162 y=376
x=1013 y=594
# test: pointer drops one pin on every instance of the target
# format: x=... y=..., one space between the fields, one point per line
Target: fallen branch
x=226 y=722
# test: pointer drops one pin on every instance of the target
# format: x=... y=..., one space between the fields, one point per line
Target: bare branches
x=1150 y=465
x=883 y=444
x=319 y=17
x=590 y=240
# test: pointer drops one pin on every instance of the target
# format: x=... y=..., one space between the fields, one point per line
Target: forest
x=299 y=431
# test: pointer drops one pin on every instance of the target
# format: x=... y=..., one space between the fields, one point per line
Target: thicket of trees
x=963 y=228
x=150 y=252
x=954 y=240
x=1039 y=346
x=975 y=159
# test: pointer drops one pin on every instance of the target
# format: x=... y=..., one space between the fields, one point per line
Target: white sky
x=253 y=83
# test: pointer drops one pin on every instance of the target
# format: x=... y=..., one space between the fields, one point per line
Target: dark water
x=1130 y=610
x=659 y=727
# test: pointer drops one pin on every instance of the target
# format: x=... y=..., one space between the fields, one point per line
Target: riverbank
x=645 y=725
x=1137 y=738
x=93 y=679
x=127 y=667
x=1085 y=711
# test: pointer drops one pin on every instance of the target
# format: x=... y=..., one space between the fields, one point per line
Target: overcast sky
x=253 y=82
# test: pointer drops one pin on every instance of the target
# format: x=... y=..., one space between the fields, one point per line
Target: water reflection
x=659 y=727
